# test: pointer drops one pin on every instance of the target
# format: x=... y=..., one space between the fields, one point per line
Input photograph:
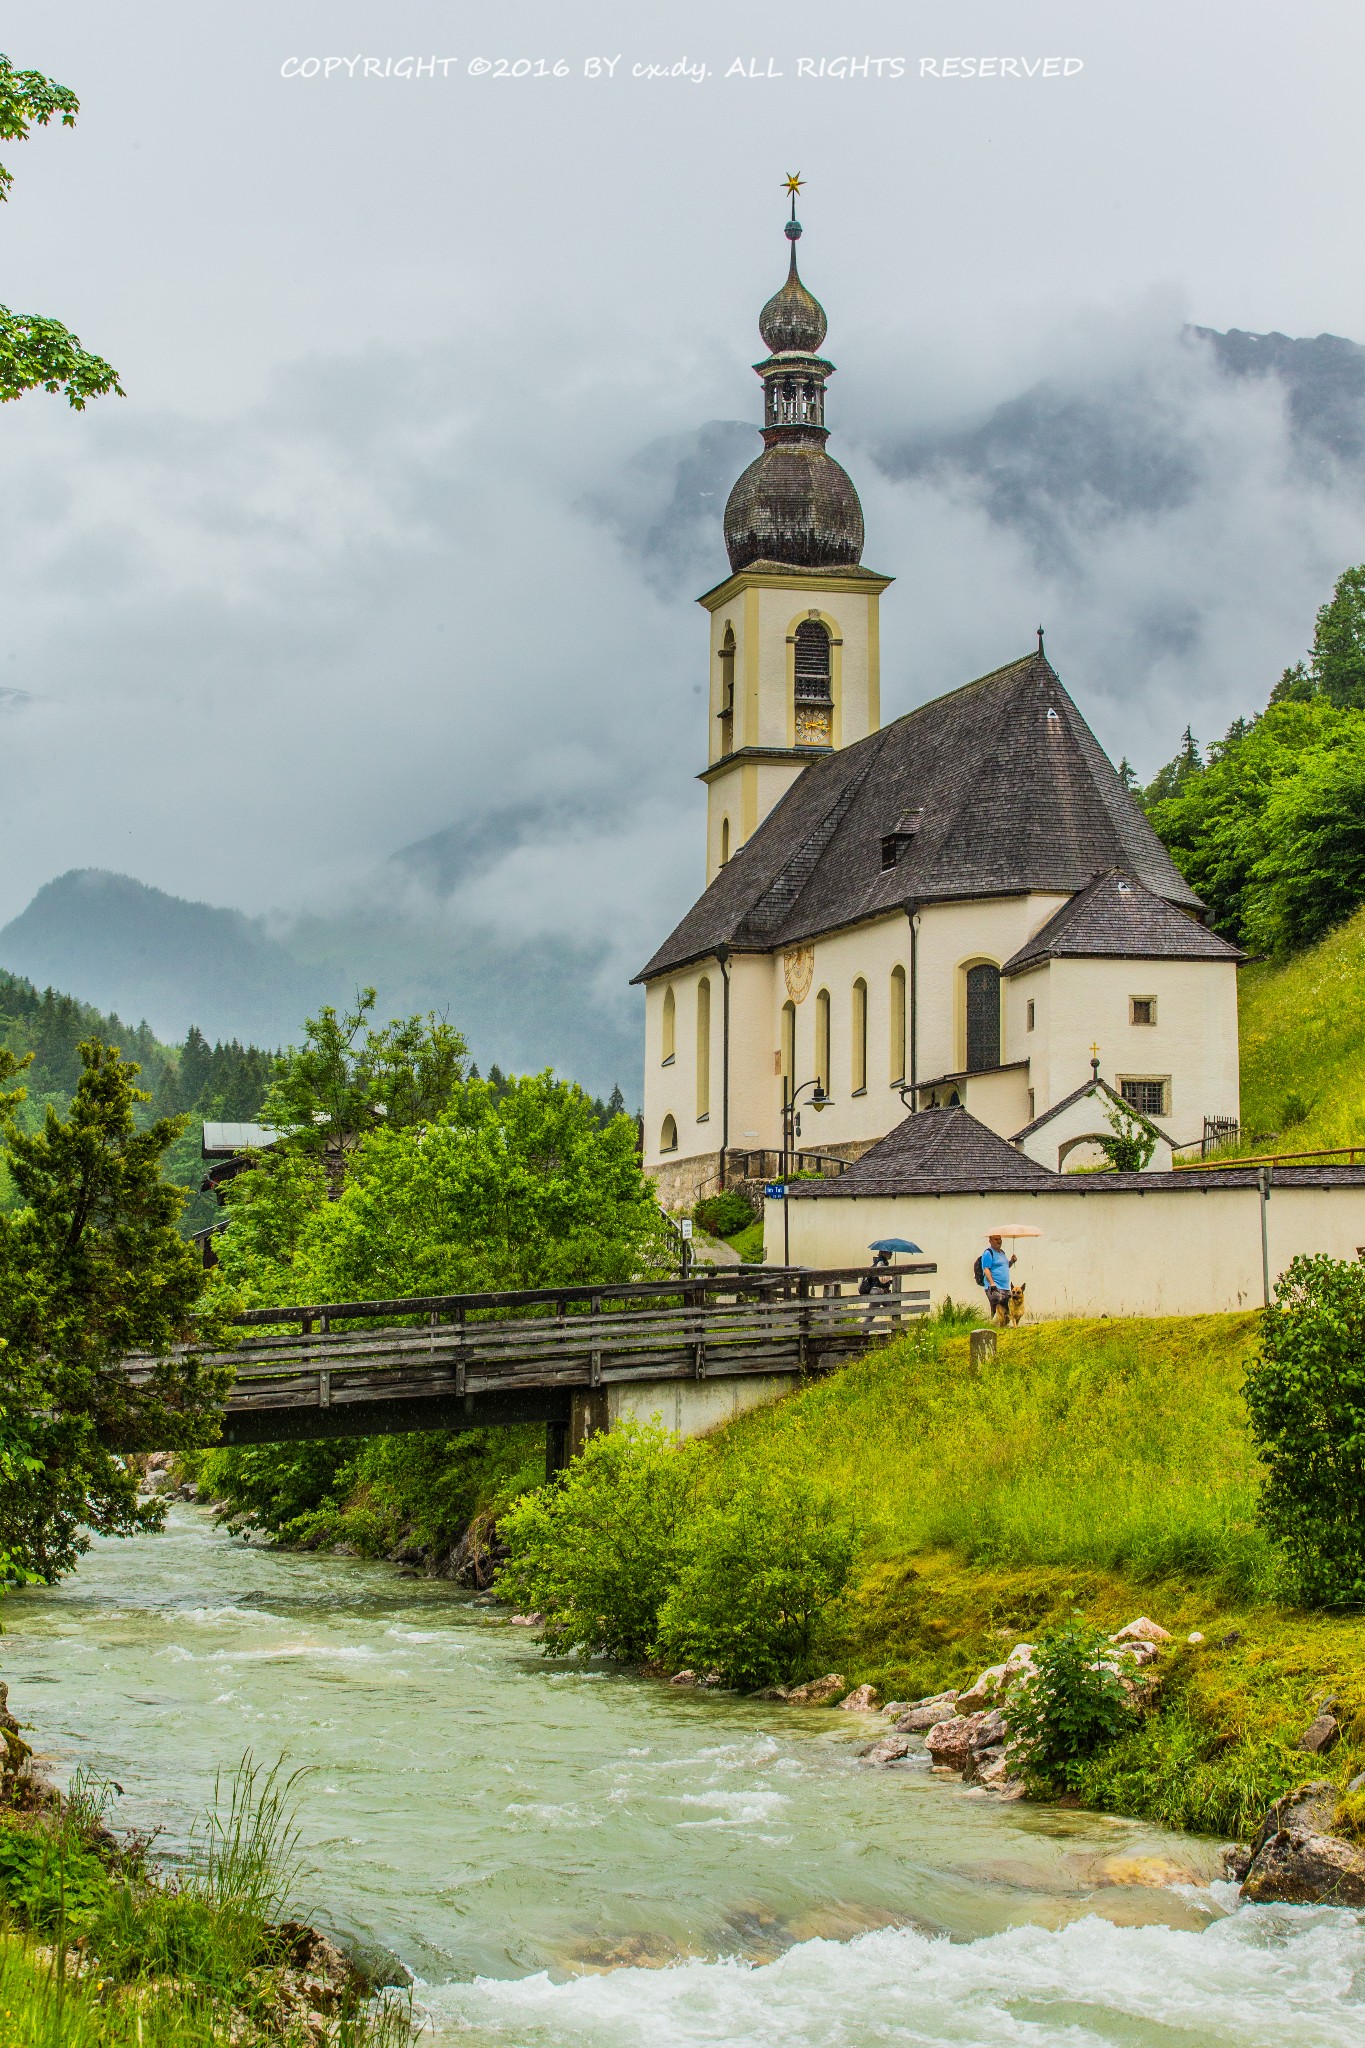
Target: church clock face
x=798 y=970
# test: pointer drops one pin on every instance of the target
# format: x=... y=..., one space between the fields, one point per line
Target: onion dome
x=794 y=504
x=793 y=318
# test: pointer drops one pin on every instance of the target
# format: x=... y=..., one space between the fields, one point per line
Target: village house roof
x=951 y=1152
x=1116 y=917
x=998 y=789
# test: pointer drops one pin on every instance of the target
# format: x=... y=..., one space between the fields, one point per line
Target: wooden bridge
x=574 y=1358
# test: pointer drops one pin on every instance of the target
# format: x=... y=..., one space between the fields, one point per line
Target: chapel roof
x=944 y=1144
x=1117 y=917
x=1094 y=1086
x=997 y=789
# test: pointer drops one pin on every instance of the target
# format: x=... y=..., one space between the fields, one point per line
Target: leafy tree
x=765 y=1566
x=1305 y=1396
x=598 y=1552
x=1311 y=873
x=347 y=1076
x=1073 y=1705
x=1133 y=1141
x=521 y=1190
x=37 y=352
x=1215 y=823
x=91 y=1268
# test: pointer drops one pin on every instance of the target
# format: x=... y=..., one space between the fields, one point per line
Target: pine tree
x=92 y=1267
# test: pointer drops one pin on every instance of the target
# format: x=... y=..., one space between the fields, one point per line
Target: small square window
x=1147 y=1097
x=1029 y=1025
x=1142 y=1009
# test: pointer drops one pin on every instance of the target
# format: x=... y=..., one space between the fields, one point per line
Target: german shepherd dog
x=1011 y=1313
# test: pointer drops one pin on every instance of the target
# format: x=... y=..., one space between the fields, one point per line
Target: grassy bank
x=99 y=1948
x=1103 y=1466
x=1303 y=1043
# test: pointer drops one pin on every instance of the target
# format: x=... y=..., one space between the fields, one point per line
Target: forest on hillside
x=1268 y=823
x=218 y=1083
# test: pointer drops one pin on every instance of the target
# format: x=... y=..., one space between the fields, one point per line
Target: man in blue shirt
x=995 y=1276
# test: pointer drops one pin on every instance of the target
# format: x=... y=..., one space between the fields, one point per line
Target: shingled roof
x=1117 y=918
x=1005 y=787
x=943 y=1145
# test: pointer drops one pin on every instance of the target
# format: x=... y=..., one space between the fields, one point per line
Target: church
x=963 y=908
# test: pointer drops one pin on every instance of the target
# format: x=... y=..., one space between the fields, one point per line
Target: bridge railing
x=363 y=1372
x=699 y=1290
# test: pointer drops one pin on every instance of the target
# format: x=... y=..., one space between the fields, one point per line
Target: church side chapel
x=964 y=908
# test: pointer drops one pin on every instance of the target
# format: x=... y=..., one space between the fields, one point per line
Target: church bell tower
x=794 y=627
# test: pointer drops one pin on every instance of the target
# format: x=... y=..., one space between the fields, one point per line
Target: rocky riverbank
x=1308 y=1850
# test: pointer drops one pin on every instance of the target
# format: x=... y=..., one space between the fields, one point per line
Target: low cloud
x=404 y=660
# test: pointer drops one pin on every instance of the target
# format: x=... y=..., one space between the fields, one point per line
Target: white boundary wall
x=1190 y=1250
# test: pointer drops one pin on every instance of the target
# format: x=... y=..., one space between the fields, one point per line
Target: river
x=565 y=1857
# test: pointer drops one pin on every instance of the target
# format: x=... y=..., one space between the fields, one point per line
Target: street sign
x=686 y=1226
x=774 y=1191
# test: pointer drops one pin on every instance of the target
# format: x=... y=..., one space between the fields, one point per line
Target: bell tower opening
x=814 y=696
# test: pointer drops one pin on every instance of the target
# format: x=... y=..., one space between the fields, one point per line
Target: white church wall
x=1001 y=1101
x=1192 y=1044
x=671 y=1081
x=1194 y=1250
x=868 y=953
x=953 y=936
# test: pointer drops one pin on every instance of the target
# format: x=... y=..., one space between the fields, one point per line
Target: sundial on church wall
x=798 y=969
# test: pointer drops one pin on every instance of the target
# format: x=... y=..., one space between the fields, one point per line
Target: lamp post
x=790 y=1098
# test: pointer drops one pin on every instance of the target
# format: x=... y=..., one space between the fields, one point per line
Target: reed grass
x=100 y=1949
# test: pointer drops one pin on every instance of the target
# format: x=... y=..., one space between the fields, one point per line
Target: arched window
x=859 y=1034
x=813 y=689
x=703 y=1048
x=822 y=1040
x=670 y=1028
x=897 y=1024
x=787 y=1057
x=727 y=692
x=983 y=1017
x=668 y=1136
x=812 y=659
x=724 y=841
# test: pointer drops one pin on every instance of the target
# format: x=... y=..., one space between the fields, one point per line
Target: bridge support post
x=556 y=1446
x=588 y=1413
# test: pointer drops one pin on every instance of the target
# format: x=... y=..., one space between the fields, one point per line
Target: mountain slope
x=1303 y=1044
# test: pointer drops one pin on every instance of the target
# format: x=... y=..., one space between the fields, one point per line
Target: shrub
x=1073 y=1707
x=1133 y=1142
x=722 y=1215
x=765 y=1566
x=598 y=1552
x=1305 y=1395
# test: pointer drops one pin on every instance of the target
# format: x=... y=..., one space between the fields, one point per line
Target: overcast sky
x=411 y=363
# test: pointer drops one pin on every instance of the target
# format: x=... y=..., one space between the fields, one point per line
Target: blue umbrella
x=893 y=1244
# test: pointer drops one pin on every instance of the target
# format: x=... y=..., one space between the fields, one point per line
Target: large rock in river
x=1295 y=1858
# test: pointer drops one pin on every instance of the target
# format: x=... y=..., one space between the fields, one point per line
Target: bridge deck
x=448 y=1371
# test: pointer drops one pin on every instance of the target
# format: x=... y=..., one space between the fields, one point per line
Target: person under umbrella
x=993 y=1272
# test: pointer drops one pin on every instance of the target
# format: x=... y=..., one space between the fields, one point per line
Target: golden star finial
x=794 y=184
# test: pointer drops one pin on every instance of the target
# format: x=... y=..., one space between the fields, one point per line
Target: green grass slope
x=1104 y=1466
x=1303 y=1044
